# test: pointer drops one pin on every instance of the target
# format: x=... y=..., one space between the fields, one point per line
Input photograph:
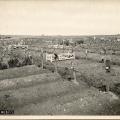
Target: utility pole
x=42 y=62
x=63 y=45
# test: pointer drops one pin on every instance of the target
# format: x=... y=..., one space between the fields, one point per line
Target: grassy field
x=31 y=90
x=20 y=72
x=50 y=94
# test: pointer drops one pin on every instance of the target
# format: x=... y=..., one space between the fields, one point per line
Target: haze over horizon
x=55 y=17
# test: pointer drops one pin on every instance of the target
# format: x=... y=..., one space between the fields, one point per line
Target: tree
x=60 y=42
x=66 y=42
x=42 y=58
x=80 y=42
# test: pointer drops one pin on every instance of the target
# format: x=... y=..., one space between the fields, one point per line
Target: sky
x=59 y=17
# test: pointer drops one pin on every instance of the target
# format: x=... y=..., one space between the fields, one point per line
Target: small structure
x=61 y=56
x=18 y=46
x=49 y=57
x=66 y=56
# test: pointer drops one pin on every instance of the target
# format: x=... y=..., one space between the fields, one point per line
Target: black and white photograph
x=60 y=57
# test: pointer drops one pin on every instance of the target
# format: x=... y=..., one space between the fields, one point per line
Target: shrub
x=65 y=73
x=80 y=42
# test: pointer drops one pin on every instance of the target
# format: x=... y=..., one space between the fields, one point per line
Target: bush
x=116 y=63
x=47 y=65
x=14 y=62
x=77 y=57
x=80 y=42
x=3 y=66
x=27 y=61
x=65 y=73
x=6 y=103
x=66 y=42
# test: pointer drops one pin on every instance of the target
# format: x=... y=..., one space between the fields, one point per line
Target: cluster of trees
x=64 y=42
x=67 y=42
x=80 y=42
x=15 y=62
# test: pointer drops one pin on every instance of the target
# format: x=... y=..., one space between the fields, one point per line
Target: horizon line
x=58 y=34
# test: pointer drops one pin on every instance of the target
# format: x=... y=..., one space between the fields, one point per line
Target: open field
x=31 y=90
x=20 y=72
x=49 y=94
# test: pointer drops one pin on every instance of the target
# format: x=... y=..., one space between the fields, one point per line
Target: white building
x=61 y=56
